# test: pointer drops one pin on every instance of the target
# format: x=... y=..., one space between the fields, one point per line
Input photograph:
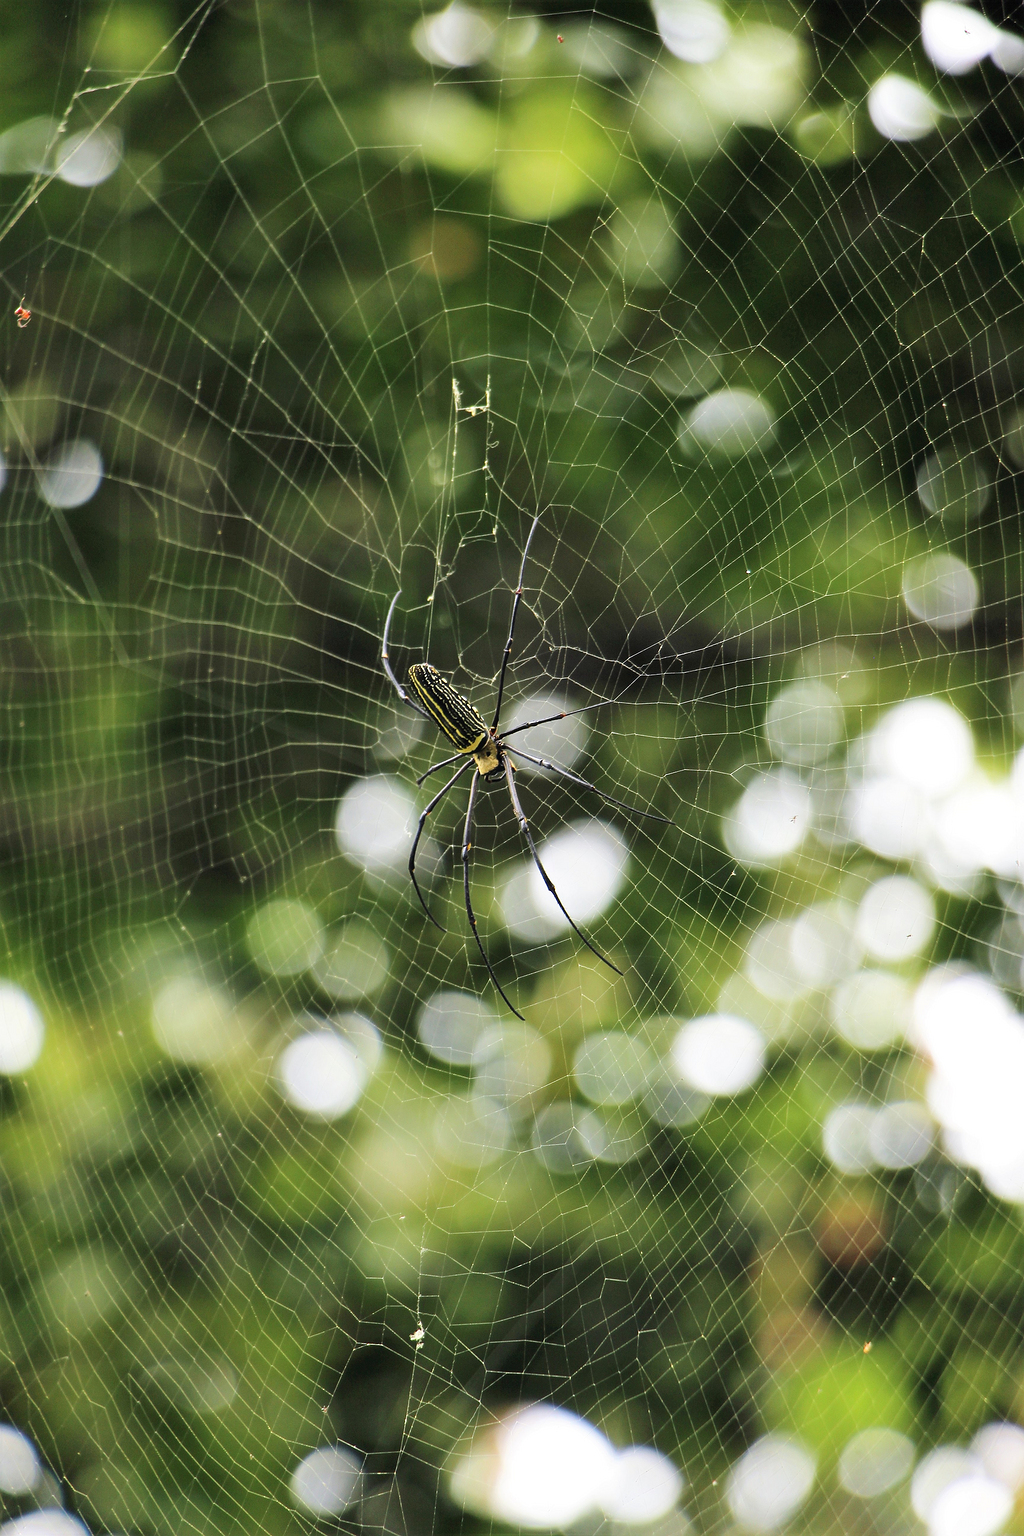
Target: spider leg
x=516 y=600
x=565 y=714
x=445 y=762
x=419 y=833
x=524 y=827
x=387 y=661
x=574 y=778
x=466 y=845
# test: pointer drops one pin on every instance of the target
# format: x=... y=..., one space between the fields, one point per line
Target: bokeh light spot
x=729 y=423
x=322 y=1073
x=326 y=1482
x=20 y=1467
x=512 y=1063
x=956 y=37
x=586 y=861
x=874 y=1461
x=472 y=1131
x=72 y=475
x=846 y=1137
x=450 y=1024
x=718 y=1054
x=770 y=820
x=954 y=486
x=21 y=1030
x=195 y=1021
x=925 y=743
x=694 y=30
x=975 y=1505
x=285 y=937
x=647 y=1485
x=770 y=1482
x=941 y=591
x=612 y=1068
x=560 y=741
x=901 y=1135
x=355 y=962
x=901 y=110
x=1000 y=1449
x=871 y=1010
x=85 y=159
x=552 y=1467
x=375 y=823
x=896 y=918
x=457 y=37
x=804 y=723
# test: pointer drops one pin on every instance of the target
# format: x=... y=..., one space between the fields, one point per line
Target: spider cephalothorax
x=484 y=747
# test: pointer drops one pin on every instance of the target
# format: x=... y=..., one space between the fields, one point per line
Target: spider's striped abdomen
x=464 y=726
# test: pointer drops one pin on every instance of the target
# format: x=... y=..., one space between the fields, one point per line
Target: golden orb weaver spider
x=484 y=747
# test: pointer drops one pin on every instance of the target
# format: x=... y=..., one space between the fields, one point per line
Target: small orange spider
x=22 y=315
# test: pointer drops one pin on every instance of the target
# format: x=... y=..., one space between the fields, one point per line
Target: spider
x=484 y=747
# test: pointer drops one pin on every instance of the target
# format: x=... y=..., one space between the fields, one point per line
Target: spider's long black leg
x=419 y=833
x=445 y=762
x=466 y=846
x=524 y=827
x=574 y=778
x=387 y=661
x=516 y=600
x=565 y=714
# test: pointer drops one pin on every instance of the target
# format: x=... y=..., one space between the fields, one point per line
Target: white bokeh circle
x=875 y=1460
x=72 y=475
x=729 y=423
x=647 y=1486
x=375 y=823
x=450 y=1023
x=20 y=1467
x=896 y=918
x=326 y=1482
x=322 y=1073
x=769 y=1482
x=770 y=820
x=551 y=1467
x=87 y=158
x=901 y=110
x=22 y=1030
x=718 y=1054
x=941 y=591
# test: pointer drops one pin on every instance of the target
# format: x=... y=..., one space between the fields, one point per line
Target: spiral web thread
x=353 y=297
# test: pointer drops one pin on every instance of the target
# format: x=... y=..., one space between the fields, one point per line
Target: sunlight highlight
x=718 y=1054
x=326 y=1482
x=375 y=823
x=875 y=1460
x=20 y=1467
x=72 y=475
x=324 y=1071
x=941 y=591
x=450 y=1024
x=901 y=110
x=22 y=1031
x=457 y=37
x=769 y=1483
x=694 y=30
x=956 y=37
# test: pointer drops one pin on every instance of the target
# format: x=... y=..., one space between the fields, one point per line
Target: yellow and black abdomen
x=463 y=725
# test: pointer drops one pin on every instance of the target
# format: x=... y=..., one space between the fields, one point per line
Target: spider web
x=301 y=1226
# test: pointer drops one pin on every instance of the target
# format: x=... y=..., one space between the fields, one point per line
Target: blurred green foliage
x=257 y=318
